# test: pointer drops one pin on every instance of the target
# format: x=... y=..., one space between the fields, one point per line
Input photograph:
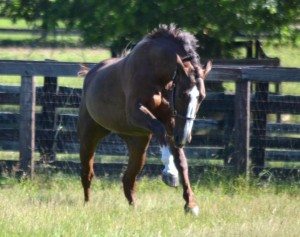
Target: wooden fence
x=238 y=138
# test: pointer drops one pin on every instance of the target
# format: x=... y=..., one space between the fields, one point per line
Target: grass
x=97 y=54
x=35 y=39
x=288 y=54
x=59 y=54
x=100 y=158
x=30 y=38
x=52 y=205
x=7 y=23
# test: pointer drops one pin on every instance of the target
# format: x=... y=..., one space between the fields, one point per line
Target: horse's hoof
x=195 y=211
x=170 y=179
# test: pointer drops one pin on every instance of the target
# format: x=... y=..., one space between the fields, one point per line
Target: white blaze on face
x=191 y=111
x=168 y=161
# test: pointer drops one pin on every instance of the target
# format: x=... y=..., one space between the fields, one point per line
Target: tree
x=44 y=14
x=117 y=23
x=216 y=23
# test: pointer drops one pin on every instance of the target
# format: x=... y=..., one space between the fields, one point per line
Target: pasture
x=52 y=205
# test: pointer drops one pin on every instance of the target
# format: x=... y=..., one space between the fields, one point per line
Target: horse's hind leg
x=89 y=135
x=137 y=147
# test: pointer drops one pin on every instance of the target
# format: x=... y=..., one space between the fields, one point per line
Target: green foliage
x=116 y=23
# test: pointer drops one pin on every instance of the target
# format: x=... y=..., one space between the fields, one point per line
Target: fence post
x=241 y=159
x=260 y=107
x=48 y=119
x=27 y=125
x=229 y=138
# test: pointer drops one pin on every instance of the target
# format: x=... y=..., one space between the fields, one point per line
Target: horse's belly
x=113 y=118
x=118 y=124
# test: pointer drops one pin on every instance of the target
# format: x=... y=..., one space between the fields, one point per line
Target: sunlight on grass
x=291 y=88
x=21 y=24
x=8 y=24
x=79 y=55
x=288 y=54
x=18 y=36
x=59 y=54
x=53 y=206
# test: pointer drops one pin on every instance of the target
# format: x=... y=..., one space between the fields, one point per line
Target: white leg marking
x=194 y=210
x=168 y=161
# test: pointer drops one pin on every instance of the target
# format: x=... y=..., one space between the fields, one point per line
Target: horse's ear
x=208 y=68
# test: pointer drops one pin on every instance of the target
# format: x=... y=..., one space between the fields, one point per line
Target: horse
x=155 y=90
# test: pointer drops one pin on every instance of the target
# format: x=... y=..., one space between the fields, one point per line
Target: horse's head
x=188 y=93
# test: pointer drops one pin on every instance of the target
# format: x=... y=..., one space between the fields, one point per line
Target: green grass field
x=287 y=53
x=7 y=23
x=53 y=206
x=59 y=54
x=79 y=55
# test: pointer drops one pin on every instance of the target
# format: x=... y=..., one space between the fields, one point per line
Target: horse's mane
x=184 y=38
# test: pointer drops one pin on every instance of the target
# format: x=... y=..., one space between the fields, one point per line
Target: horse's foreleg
x=140 y=116
x=182 y=167
x=137 y=147
x=170 y=172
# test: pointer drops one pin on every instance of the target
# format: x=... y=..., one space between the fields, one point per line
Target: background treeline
x=118 y=23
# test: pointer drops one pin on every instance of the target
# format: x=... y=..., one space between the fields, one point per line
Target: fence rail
x=251 y=138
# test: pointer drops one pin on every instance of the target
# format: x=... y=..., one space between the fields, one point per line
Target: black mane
x=184 y=38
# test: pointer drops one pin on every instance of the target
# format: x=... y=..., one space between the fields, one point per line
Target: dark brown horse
x=155 y=90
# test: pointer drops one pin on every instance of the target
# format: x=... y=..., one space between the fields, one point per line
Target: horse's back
x=93 y=74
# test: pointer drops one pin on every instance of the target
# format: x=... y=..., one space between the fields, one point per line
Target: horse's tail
x=83 y=70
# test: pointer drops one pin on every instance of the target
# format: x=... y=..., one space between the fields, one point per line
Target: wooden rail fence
x=238 y=126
